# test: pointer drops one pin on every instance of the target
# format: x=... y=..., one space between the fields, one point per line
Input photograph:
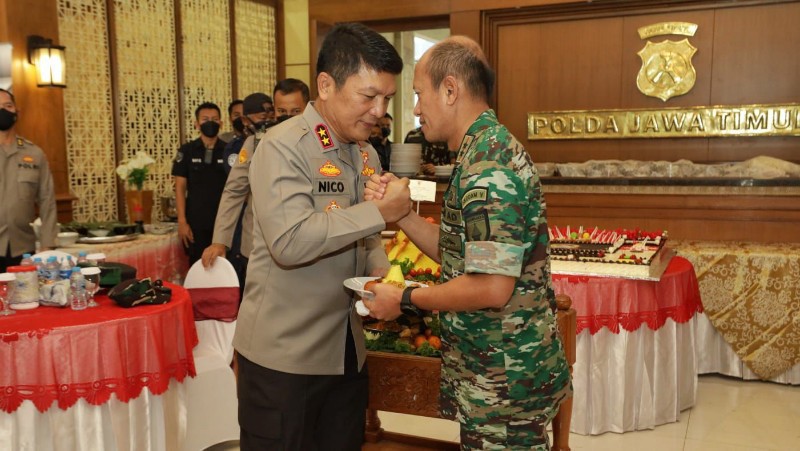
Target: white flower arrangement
x=134 y=170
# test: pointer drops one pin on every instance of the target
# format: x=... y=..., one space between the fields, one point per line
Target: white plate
x=357 y=285
x=107 y=239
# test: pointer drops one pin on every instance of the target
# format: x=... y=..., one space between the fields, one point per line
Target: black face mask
x=7 y=119
x=209 y=129
x=386 y=131
x=281 y=118
x=238 y=125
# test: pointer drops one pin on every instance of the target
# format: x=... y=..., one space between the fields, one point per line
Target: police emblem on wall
x=667 y=69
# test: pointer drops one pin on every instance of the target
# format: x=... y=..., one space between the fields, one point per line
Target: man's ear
x=451 y=89
x=325 y=85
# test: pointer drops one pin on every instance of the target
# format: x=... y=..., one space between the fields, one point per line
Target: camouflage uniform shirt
x=503 y=365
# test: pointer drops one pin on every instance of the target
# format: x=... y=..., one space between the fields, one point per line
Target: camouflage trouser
x=514 y=435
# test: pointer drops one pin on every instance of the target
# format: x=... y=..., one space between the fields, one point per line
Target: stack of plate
x=443 y=171
x=405 y=159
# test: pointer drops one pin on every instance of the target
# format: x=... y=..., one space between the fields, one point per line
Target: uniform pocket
x=28 y=181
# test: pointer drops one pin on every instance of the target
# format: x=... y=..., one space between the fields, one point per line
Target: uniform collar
x=15 y=145
x=485 y=120
x=323 y=136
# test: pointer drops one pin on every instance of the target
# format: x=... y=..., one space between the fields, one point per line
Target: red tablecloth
x=57 y=354
x=614 y=302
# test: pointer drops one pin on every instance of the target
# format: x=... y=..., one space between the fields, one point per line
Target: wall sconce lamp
x=49 y=61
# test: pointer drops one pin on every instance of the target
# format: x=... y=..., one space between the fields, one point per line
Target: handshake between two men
x=390 y=194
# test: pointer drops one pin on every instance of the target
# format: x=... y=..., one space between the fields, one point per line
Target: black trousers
x=295 y=412
x=202 y=239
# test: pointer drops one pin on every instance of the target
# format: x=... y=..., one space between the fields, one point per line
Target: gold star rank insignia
x=323 y=136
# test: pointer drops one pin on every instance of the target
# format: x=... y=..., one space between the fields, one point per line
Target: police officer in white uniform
x=26 y=184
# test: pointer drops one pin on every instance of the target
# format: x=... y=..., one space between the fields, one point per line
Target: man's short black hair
x=290 y=85
x=233 y=104
x=348 y=46
x=388 y=116
x=206 y=106
x=13 y=99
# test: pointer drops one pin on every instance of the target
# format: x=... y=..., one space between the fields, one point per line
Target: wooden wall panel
x=555 y=66
x=41 y=110
x=756 y=55
x=561 y=72
x=686 y=217
x=466 y=23
x=333 y=11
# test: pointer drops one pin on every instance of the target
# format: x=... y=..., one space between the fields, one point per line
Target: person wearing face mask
x=233 y=238
x=291 y=97
x=26 y=183
x=233 y=226
x=235 y=116
x=379 y=138
x=199 y=175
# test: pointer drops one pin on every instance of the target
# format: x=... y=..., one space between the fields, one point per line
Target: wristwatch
x=405 y=303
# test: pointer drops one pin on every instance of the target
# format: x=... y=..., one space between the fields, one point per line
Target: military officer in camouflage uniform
x=504 y=371
x=25 y=184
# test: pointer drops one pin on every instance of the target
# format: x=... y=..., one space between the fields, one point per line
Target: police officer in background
x=235 y=113
x=26 y=183
x=233 y=227
x=199 y=174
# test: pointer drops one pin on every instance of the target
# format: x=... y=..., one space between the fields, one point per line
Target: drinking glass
x=91 y=277
x=6 y=292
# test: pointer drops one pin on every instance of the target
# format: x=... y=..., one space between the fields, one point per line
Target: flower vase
x=140 y=206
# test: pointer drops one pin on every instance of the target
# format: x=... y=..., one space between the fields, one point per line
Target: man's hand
x=376 y=185
x=428 y=169
x=395 y=203
x=212 y=252
x=185 y=232
x=385 y=305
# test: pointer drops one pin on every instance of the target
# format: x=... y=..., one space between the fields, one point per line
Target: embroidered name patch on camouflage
x=477 y=226
x=474 y=195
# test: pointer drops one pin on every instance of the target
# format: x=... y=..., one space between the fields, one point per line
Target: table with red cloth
x=636 y=359
x=157 y=256
x=102 y=378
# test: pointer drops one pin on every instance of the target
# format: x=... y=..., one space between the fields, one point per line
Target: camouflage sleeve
x=493 y=210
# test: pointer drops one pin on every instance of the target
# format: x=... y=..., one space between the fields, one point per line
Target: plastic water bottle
x=65 y=269
x=81 y=257
x=26 y=260
x=39 y=268
x=52 y=270
x=77 y=289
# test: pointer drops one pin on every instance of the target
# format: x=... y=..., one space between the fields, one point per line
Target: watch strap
x=406 y=306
